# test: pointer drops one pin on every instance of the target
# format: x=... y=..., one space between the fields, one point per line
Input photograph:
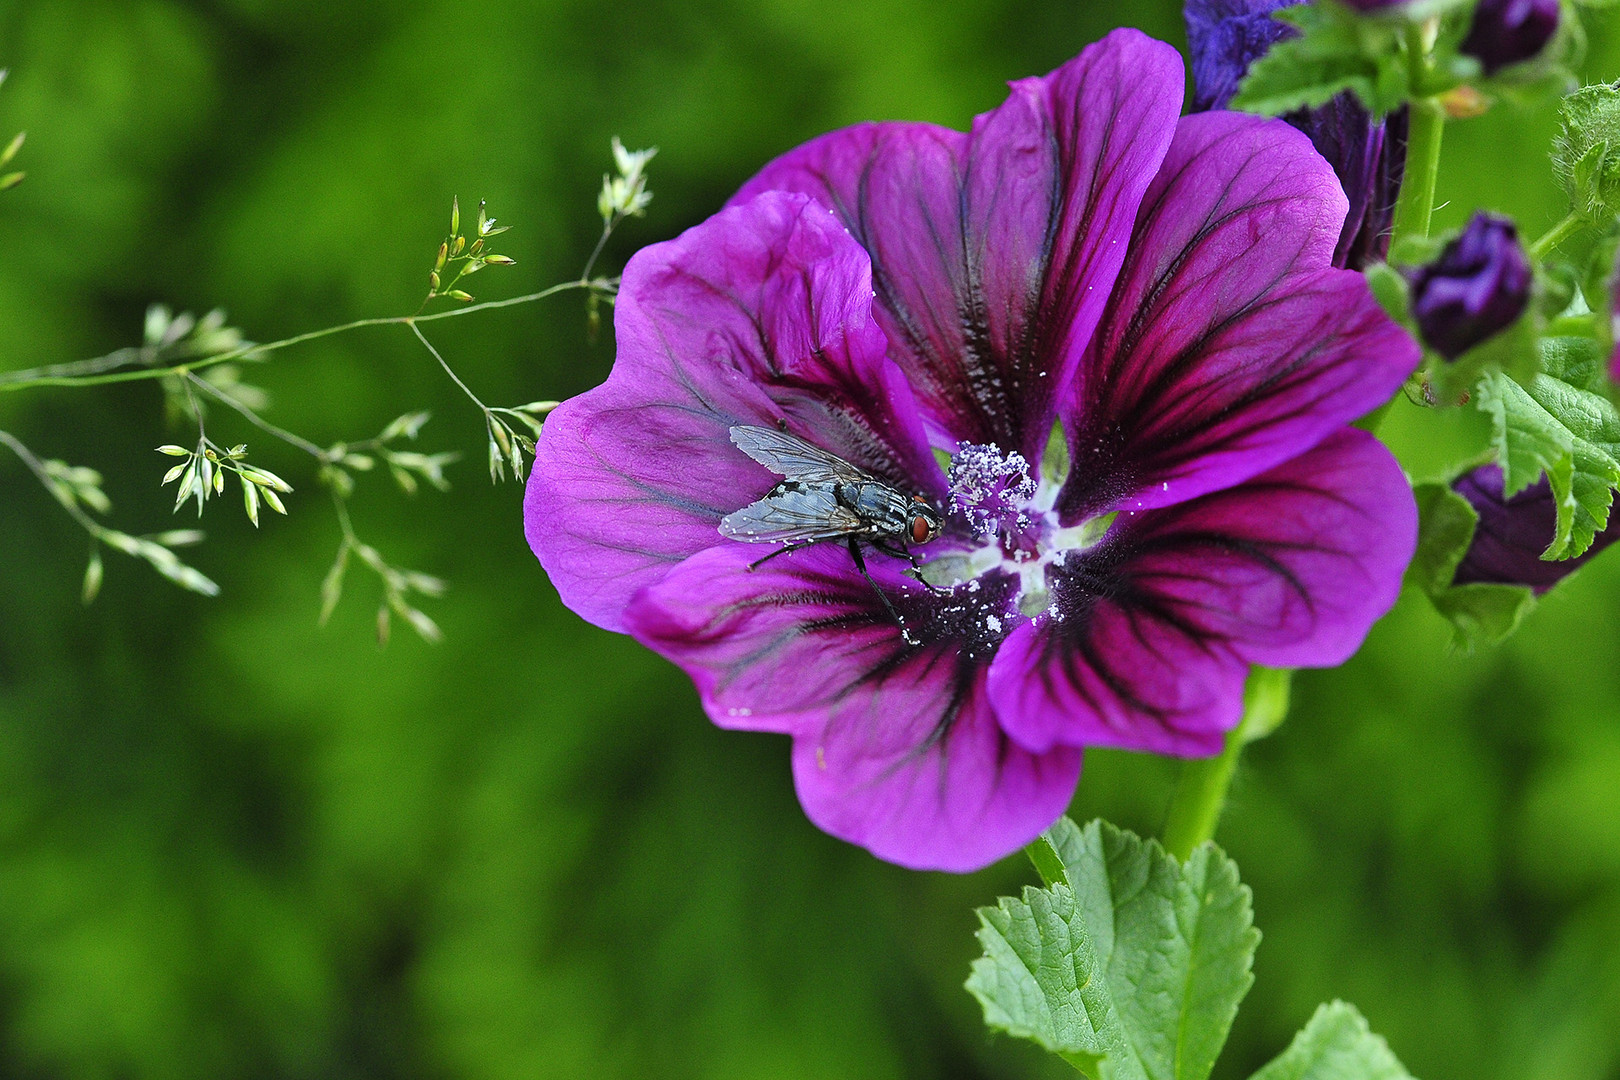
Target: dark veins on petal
x=1137 y=575
x=986 y=247
x=835 y=413
x=948 y=639
x=984 y=412
x=1125 y=434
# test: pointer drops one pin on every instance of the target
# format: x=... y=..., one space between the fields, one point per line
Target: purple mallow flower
x=1368 y=155
x=892 y=292
x=1507 y=31
x=1512 y=534
x=1477 y=287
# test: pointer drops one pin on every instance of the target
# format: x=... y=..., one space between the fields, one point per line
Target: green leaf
x=1479 y=613
x=1336 y=50
x=1132 y=966
x=1446 y=523
x=1335 y=1045
x=1390 y=290
x=1557 y=423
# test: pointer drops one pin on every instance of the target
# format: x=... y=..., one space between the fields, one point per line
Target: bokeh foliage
x=234 y=845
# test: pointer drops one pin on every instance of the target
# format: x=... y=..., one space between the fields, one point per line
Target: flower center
x=1012 y=521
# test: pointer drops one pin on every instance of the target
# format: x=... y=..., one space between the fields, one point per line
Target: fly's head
x=925 y=523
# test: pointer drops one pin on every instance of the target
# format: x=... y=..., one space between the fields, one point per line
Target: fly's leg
x=757 y=563
x=860 y=564
x=916 y=567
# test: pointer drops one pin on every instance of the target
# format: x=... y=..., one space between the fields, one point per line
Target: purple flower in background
x=1614 y=323
x=1223 y=38
x=1512 y=534
x=1507 y=31
x=892 y=292
x=1477 y=287
x=1368 y=155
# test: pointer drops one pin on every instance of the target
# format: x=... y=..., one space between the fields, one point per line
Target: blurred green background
x=235 y=845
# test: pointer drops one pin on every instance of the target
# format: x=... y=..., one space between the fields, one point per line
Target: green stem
x=1416 y=205
x=1556 y=235
x=1200 y=796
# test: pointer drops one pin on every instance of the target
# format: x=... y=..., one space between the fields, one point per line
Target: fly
x=824 y=498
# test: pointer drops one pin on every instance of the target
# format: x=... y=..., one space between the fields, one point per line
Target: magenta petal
x=993 y=252
x=759 y=315
x=896 y=747
x=1125 y=678
x=1158 y=622
x=1229 y=343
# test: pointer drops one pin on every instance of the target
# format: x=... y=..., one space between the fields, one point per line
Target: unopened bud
x=1478 y=287
x=1513 y=533
x=1507 y=31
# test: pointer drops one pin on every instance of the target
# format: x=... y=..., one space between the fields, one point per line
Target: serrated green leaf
x=1335 y=1045
x=1528 y=440
x=1134 y=961
x=1335 y=51
x=1557 y=423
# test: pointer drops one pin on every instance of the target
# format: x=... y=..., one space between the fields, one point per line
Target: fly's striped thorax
x=885 y=511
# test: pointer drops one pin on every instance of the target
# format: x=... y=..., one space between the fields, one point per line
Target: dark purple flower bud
x=1369 y=6
x=1478 y=286
x=1507 y=31
x=1368 y=155
x=1512 y=534
x=1614 y=322
x=1223 y=38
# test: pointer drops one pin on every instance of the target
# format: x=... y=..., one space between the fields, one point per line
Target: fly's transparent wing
x=792 y=457
x=796 y=513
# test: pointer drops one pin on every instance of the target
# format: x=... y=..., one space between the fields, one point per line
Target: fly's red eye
x=919 y=530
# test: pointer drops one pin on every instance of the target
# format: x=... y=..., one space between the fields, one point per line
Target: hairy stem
x=1195 y=809
x=1416 y=205
x=1555 y=235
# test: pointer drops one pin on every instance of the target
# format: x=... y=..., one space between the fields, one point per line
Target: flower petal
x=760 y=314
x=1155 y=626
x=1228 y=345
x=993 y=252
x=895 y=744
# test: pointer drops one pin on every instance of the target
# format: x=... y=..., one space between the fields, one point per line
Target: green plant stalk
x=92 y=372
x=1416 y=205
x=1556 y=235
x=1195 y=808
